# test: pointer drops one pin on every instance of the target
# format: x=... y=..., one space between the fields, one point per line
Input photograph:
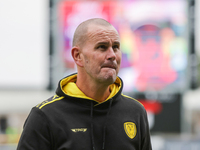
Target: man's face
x=101 y=54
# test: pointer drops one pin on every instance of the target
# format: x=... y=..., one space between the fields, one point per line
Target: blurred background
x=160 y=46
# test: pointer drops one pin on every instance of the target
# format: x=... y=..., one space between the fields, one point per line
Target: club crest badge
x=130 y=129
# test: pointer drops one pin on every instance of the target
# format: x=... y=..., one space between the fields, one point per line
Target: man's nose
x=111 y=54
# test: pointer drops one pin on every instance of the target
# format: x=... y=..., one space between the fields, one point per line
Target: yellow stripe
x=57 y=99
x=132 y=99
x=38 y=104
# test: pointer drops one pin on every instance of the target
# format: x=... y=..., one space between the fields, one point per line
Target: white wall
x=197 y=26
x=23 y=44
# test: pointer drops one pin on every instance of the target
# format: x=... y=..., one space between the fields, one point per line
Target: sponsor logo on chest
x=79 y=130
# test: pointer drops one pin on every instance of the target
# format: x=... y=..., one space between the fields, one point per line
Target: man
x=88 y=111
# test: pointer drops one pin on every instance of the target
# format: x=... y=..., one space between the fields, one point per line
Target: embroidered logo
x=130 y=129
x=79 y=130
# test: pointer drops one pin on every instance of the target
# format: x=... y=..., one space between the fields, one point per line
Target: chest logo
x=79 y=130
x=130 y=129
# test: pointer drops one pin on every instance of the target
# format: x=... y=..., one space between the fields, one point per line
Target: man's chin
x=109 y=79
x=109 y=76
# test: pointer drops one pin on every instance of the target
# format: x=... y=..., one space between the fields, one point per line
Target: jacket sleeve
x=146 y=143
x=36 y=132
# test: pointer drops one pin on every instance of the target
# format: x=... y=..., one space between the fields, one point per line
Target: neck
x=99 y=92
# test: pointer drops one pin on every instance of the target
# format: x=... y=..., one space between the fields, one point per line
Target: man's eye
x=102 y=47
x=116 y=47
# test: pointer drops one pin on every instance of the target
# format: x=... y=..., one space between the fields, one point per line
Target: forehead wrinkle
x=103 y=35
x=98 y=33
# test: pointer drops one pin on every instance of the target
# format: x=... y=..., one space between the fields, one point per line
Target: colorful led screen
x=153 y=39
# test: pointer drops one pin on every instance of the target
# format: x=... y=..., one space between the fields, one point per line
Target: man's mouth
x=109 y=65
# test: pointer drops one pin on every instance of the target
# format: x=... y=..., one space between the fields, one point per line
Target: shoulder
x=51 y=101
x=132 y=102
x=44 y=111
x=131 y=99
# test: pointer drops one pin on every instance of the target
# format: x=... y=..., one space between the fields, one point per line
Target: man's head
x=96 y=51
x=81 y=31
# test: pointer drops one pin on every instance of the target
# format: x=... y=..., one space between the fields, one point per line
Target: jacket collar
x=67 y=87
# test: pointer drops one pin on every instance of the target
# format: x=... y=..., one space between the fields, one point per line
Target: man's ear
x=76 y=54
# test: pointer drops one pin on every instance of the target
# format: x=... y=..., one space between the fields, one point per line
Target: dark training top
x=72 y=121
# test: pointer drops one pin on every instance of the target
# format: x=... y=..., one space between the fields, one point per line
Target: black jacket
x=66 y=122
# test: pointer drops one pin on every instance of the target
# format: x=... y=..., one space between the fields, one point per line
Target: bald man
x=89 y=111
